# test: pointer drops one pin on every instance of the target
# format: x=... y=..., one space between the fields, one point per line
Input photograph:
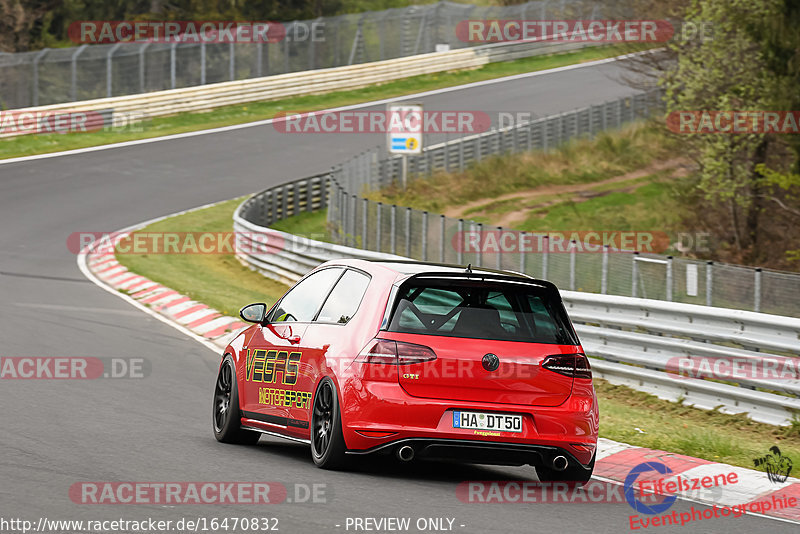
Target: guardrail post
x=442 y=222
x=378 y=216
x=522 y=253
x=35 y=84
x=203 y=63
x=460 y=245
x=634 y=273
x=73 y=85
x=231 y=61
x=529 y=130
x=354 y=48
x=269 y=208
x=260 y=58
x=572 y=258
x=757 y=290
x=172 y=77
x=353 y=215
x=393 y=229
x=669 y=278
x=295 y=198
x=604 y=277
x=545 y=129
x=709 y=282
x=142 y=73
x=424 y=236
x=364 y=209
x=545 y=255
x=498 y=255
x=479 y=256
x=312 y=48
x=285 y=43
x=408 y=232
x=109 y=68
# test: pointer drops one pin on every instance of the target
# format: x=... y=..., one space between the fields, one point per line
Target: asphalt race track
x=55 y=433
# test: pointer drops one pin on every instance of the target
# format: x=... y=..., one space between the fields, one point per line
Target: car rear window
x=482 y=310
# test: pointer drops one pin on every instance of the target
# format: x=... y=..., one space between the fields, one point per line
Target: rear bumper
x=479 y=452
x=381 y=416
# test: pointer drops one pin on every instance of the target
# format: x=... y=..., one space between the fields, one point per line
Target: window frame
x=328 y=296
x=269 y=319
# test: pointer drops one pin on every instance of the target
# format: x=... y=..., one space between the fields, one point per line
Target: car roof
x=405 y=268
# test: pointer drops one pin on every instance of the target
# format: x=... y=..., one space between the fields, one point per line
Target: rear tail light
x=379 y=351
x=572 y=365
x=388 y=352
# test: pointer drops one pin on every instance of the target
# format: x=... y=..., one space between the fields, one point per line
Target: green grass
x=218 y=280
x=583 y=161
x=308 y=224
x=618 y=211
x=225 y=284
x=225 y=116
x=669 y=426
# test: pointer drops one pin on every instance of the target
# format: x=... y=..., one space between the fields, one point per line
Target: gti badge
x=490 y=362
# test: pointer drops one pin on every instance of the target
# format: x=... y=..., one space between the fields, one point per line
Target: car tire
x=573 y=474
x=327 y=441
x=225 y=415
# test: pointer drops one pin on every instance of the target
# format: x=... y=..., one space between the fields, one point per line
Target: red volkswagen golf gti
x=418 y=360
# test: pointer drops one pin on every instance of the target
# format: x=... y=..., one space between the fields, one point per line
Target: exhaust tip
x=405 y=453
x=560 y=463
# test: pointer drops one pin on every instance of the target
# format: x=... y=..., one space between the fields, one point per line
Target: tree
x=737 y=69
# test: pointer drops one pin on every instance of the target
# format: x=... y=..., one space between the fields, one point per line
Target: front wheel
x=327 y=441
x=226 y=417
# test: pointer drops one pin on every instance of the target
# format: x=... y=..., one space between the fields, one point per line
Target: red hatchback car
x=418 y=360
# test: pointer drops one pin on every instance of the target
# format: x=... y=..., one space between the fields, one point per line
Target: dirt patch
x=581 y=192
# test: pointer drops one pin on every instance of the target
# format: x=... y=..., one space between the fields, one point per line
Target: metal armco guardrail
x=208 y=97
x=89 y=71
x=632 y=341
x=421 y=235
x=619 y=352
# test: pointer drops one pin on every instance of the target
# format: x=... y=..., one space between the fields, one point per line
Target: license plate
x=487 y=421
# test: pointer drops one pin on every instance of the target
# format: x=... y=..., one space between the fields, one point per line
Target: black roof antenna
x=469 y=268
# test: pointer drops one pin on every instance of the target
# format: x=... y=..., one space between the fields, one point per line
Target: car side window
x=345 y=298
x=303 y=300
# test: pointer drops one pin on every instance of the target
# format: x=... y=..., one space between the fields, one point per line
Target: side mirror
x=254 y=313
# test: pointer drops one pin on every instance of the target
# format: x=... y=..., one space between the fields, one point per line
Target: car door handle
x=294 y=340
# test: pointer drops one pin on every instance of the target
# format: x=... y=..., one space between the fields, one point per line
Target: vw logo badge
x=491 y=362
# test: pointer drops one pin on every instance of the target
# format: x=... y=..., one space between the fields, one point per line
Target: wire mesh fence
x=53 y=76
x=363 y=223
